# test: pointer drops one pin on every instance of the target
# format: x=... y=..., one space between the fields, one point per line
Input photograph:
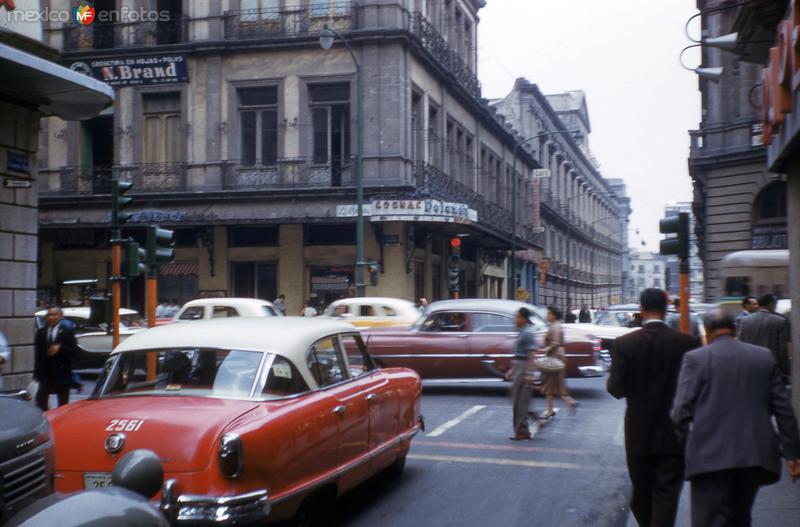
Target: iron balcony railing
x=286 y=173
x=125 y=34
x=148 y=177
x=289 y=21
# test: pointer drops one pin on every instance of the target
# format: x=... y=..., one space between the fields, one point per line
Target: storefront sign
x=136 y=71
x=770 y=237
x=412 y=210
x=781 y=77
x=391 y=240
x=18 y=162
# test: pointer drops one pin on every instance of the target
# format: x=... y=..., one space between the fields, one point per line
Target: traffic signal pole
x=116 y=290
x=684 y=295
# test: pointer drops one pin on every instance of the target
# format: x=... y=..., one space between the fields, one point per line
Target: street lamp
x=326 y=39
x=512 y=281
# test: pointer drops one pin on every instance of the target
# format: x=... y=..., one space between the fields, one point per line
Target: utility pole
x=118 y=202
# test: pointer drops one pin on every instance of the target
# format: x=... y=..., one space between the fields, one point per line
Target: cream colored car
x=374 y=312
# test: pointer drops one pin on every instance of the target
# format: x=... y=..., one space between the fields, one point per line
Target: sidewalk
x=777 y=504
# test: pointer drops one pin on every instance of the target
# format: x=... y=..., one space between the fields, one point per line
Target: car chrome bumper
x=591 y=371
x=193 y=509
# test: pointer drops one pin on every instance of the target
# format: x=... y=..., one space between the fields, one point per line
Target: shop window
x=770 y=204
x=343 y=234
x=186 y=238
x=330 y=123
x=258 y=120
x=253 y=236
x=254 y=279
x=162 y=123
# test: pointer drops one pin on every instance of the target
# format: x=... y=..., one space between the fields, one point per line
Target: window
x=366 y=311
x=261 y=236
x=641 y=268
x=358 y=359
x=449 y=321
x=254 y=279
x=258 y=119
x=283 y=379
x=330 y=123
x=656 y=269
x=492 y=323
x=224 y=312
x=162 y=121
x=192 y=313
x=325 y=363
x=770 y=204
x=265 y=9
x=389 y=312
x=330 y=234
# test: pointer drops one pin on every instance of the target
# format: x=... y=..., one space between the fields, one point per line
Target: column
x=291 y=267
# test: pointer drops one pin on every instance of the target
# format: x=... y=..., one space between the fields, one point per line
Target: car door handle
x=339 y=410
x=463 y=336
x=371 y=397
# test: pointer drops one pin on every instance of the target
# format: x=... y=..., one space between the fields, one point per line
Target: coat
x=727 y=394
x=644 y=369
x=55 y=370
x=771 y=331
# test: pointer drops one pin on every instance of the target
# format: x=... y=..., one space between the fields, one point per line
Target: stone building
x=32 y=87
x=647 y=270
x=238 y=131
x=583 y=216
x=737 y=204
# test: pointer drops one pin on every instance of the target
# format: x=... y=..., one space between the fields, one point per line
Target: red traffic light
x=455 y=242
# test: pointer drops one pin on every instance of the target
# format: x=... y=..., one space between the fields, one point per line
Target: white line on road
x=619 y=435
x=500 y=461
x=454 y=421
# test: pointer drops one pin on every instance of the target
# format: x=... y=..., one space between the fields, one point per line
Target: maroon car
x=468 y=339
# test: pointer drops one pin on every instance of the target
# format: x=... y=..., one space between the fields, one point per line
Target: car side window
x=366 y=311
x=192 y=313
x=358 y=360
x=224 y=312
x=451 y=321
x=492 y=323
x=324 y=362
x=389 y=312
x=283 y=379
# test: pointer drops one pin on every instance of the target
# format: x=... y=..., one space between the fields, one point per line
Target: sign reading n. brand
x=136 y=71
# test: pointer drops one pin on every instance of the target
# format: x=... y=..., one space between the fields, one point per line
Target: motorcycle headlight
x=230 y=456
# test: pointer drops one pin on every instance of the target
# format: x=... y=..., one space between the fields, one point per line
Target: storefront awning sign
x=412 y=210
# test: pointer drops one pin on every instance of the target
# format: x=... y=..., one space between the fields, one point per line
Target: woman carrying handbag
x=553 y=364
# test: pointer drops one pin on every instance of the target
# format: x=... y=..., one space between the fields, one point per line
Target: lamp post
x=512 y=281
x=326 y=39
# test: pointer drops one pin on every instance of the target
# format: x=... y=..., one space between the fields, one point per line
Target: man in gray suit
x=770 y=330
x=727 y=394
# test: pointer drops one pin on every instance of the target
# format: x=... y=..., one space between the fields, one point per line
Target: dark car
x=26 y=456
x=468 y=339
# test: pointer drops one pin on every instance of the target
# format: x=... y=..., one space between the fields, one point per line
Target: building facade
x=238 y=131
x=646 y=271
x=737 y=204
x=696 y=281
x=583 y=216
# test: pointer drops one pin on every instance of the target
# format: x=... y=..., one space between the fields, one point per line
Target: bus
x=755 y=273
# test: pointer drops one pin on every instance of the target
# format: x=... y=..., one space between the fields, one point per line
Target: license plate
x=96 y=480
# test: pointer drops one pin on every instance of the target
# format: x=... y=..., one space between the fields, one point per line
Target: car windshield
x=612 y=318
x=133 y=320
x=195 y=372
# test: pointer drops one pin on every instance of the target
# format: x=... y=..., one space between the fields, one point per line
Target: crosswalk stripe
x=453 y=422
x=500 y=461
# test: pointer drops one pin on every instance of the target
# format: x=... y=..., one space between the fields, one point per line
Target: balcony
x=155 y=177
x=125 y=34
x=288 y=22
x=287 y=173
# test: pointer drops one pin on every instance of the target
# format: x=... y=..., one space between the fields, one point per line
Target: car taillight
x=597 y=344
x=230 y=455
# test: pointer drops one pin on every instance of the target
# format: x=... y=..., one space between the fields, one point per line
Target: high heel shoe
x=547 y=415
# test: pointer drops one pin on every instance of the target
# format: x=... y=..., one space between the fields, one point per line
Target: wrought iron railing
x=437 y=46
x=286 y=173
x=77 y=180
x=290 y=21
x=125 y=34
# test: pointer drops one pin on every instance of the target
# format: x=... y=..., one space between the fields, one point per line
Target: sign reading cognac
x=136 y=71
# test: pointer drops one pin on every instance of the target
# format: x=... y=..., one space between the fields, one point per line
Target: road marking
x=453 y=422
x=510 y=448
x=500 y=461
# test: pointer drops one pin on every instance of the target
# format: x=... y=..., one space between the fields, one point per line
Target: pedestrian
x=695 y=324
x=644 y=369
x=553 y=382
x=54 y=347
x=161 y=309
x=767 y=329
x=584 y=315
x=308 y=310
x=749 y=306
x=570 y=318
x=521 y=375
x=172 y=308
x=422 y=303
x=280 y=304
x=728 y=393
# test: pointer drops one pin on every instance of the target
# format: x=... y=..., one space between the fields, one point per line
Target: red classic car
x=253 y=419
x=473 y=339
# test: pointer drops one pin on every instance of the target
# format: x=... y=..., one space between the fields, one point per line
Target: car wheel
x=317 y=510
x=395 y=470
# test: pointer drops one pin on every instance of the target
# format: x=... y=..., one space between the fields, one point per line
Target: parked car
x=208 y=308
x=374 y=312
x=26 y=456
x=610 y=324
x=248 y=415
x=94 y=340
x=473 y=339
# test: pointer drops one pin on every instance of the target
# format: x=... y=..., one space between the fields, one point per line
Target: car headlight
x=230 y=455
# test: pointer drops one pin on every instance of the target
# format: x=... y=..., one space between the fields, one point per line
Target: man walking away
x=749 y=306
x=521 y=366
x=280 y=304
x=54 y=346
x=728 y=393
x=767 y=329
x=644 y=369
x=584 y=315
x=695 y=324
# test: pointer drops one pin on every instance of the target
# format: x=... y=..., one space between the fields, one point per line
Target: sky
x=624 y=55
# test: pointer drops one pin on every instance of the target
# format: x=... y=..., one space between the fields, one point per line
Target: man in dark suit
x=644 y=369
x=767 y=329
x=728 y=393
x=54 y=346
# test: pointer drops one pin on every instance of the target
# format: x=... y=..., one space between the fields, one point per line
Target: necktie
x=53 y=334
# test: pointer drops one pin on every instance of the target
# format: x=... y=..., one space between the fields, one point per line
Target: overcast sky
x=624 y=55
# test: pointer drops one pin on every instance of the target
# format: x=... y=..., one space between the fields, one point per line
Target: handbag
x=549 y=364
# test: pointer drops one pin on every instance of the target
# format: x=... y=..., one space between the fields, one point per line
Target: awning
x=54 y=89
x=178 y=269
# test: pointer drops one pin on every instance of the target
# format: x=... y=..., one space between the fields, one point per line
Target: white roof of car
x=227 y=301
x=372 y=300
x=83 y=312
x=288 y=336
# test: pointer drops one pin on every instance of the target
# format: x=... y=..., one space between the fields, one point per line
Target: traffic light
x=677 y=245
x=453 y=276
x=118 y=202
x=133 y=260
x=374 y=269
x=455 y=246
x=100 y=310
x=160 y=243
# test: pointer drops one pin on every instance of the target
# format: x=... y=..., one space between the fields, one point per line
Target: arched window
x=770 y=204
